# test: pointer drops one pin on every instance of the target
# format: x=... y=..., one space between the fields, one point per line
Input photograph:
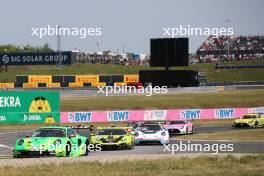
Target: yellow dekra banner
x=30 y=85
x=53 y=85
x=120 y=84
x=86 y=78
x=39 y=78
x=131 y=78
x=7 y=85
x=98 y=84
x=76 y=84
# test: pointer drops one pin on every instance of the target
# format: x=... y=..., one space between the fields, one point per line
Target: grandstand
x=227 y=48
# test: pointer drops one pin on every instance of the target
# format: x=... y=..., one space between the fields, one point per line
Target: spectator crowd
x=111 y=58
x=227 y=48
x=213 y=49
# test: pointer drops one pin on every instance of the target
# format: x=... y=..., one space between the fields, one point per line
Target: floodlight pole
x=58 y=64
x=228 y=48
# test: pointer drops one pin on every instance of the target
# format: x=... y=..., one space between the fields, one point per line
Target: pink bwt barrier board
x=159 y=115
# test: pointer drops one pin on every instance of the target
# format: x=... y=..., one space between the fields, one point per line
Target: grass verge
x=249 y=135
x=203 y=165
x=227 y=99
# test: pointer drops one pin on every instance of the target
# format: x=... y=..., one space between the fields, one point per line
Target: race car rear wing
x=128 y=129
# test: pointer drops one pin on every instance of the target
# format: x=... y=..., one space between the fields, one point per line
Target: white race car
x=151 y=134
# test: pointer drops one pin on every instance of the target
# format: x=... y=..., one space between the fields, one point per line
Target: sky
x=125 y=24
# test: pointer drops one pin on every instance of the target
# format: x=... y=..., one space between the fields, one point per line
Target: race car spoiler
x=92 y=128
x=128 y=129
x=81 y=127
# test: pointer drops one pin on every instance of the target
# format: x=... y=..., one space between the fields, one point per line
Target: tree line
x=26 y=48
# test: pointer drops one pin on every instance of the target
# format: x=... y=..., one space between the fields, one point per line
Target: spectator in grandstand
x=226 y=48
x=111 y=58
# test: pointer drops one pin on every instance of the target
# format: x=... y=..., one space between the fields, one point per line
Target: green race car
x=114 y=137
x=250 y=120
x=52 y=141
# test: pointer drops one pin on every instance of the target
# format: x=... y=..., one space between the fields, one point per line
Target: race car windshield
x=50 y=133
x=151 y=128
x=112 y=132
x=178 y=122
x=249 y=117
x=82 y=132
x=150 y=123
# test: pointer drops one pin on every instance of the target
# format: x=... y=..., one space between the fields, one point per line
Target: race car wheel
x=131 y=147
x=187 y=130
x=68 y=149
x=86 y=148
x=256 y=124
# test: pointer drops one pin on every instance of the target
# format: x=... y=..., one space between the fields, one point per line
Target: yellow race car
x=250 y=120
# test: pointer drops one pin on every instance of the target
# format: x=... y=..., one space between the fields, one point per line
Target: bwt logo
x=224 y=113
x=118 y=116
x=80 y=117
x=191 y=114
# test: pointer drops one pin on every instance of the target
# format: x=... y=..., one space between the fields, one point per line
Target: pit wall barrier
x=159 y=115
x=40 y=81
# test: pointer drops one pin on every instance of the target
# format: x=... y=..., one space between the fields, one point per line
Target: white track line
x=5 y=146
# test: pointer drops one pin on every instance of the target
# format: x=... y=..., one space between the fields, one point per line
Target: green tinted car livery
x=52 y=140
x=120 y=137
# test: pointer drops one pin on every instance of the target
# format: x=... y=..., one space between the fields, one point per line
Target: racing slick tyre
x=256 y=124
x=16 y=156
x=86 y=148
x=131 y=147
x=68 y=149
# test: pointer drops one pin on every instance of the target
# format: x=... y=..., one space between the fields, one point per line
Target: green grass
x=204 y=165
x=227 y=99
x=249 y=135
x=212 y=74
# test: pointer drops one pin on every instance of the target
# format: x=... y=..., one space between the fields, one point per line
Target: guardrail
x=236 y=83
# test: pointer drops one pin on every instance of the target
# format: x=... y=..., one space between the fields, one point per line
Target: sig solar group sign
x=36 y=58
x=29 y=107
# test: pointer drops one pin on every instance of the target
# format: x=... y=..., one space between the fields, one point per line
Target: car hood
x=244 y=120
x=39 y=141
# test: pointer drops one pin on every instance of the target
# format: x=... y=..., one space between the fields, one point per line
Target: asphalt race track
x=8 y=137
